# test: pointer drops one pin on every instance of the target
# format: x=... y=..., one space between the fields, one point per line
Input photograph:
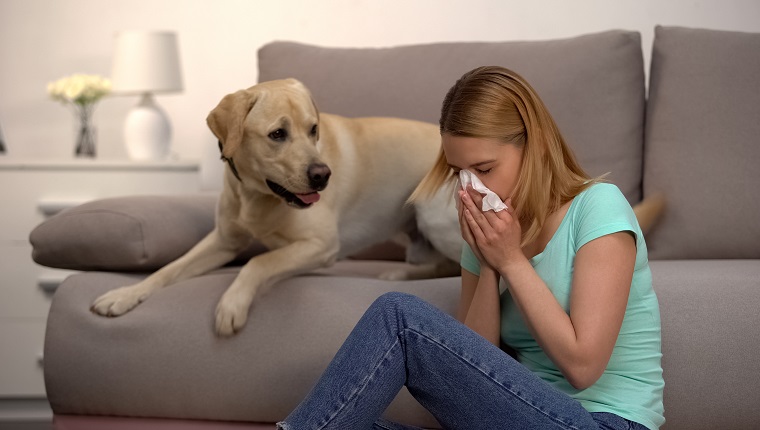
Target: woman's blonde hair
x=496 y=103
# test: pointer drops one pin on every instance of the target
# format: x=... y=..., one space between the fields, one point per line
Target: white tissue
x=491 y=202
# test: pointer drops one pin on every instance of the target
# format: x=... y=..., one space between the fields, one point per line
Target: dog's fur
x=280 y=152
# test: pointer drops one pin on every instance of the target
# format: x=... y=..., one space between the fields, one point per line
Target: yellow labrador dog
x=281 y=154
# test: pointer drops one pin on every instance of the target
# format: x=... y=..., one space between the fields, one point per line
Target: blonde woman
x=578 y=307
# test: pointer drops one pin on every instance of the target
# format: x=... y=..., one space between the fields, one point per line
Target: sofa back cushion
x=593 y=85
x=703 y=143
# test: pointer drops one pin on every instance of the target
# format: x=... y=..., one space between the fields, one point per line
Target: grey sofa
x=694 y=136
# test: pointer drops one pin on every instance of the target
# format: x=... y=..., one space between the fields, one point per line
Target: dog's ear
x=227 y=119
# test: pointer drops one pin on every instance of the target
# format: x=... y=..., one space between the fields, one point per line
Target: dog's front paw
x=119 y=301
x=232 y=312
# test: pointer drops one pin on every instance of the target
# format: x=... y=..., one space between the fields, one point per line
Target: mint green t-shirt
x=632 y=384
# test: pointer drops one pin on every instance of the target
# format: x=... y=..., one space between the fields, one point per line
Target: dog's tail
x=648 y=211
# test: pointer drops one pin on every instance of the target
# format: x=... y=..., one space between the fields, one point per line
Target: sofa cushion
x=165 y=358
x=703 y=143
x=137 y=233
x=710 y=341
x=593 y=85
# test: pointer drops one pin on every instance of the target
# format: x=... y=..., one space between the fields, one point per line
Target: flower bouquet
x=82 y=92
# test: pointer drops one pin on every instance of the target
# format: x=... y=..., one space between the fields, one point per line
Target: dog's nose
x=318 y=175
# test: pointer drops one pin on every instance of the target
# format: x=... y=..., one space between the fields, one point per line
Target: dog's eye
x=314 y=130
x=278 y=135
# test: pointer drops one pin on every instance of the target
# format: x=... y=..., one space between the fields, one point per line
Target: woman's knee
x=396 y=300
x=402 y=307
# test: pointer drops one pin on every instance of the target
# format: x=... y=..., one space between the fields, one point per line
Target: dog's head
x=268 y=135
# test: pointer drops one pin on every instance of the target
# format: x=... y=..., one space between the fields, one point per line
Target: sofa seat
x=163 y=359
x=710 y=334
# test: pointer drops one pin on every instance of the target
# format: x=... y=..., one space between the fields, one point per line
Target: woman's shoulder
x=602 y=200
x=602 y=209
x=602 y=190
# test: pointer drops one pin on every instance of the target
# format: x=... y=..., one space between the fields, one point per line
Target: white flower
x=79 y=89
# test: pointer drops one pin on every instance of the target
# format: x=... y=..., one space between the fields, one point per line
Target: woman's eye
x=278 y=135
x=482 y=172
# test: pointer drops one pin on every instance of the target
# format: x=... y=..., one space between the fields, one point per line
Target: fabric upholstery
x=137 y=233
x=165 y=358
x=593 y=85
x=710 y=341
x=703 y=143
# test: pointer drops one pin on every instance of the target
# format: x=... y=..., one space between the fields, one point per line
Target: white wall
x=42 y=40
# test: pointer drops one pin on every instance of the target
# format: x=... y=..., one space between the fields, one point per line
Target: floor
x=26 y=425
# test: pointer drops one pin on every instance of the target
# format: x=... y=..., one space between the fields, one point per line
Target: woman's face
x=496 y=164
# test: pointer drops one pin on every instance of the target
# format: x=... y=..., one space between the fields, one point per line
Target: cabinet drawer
x=21 y=295
x=33 y=189
x=23 y=207
x=21 y=370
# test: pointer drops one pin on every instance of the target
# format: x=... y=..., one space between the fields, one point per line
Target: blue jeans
x=462 y=379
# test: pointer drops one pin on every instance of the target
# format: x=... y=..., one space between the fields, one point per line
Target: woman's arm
x=581 y=343
x=479 y=305
x=479 y=302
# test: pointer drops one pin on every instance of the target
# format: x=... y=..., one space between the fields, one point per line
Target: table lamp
x=146 y=63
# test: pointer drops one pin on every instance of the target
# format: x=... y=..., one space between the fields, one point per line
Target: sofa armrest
x=136 y=233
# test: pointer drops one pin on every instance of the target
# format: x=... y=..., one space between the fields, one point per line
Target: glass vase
x=86 y=136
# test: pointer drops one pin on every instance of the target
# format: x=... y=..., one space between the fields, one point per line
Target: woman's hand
x=465 y=228
x=493 y=236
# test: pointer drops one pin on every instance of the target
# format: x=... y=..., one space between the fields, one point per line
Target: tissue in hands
x=491 y=202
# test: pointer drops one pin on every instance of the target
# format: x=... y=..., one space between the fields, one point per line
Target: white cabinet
x=31 y=191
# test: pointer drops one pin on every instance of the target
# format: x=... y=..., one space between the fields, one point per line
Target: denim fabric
x=462 y=379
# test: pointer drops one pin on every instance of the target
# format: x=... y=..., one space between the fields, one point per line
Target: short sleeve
x=604 y=210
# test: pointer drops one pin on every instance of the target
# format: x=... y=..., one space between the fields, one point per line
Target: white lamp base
x=147 y=131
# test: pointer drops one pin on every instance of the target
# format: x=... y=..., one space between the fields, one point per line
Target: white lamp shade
x=146 y=62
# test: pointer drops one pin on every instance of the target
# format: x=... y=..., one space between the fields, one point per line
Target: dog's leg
x=428 y=262
x=440 y=269
x=264 y=270
x=211 y=252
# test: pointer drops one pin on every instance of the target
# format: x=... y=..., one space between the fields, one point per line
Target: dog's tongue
x=309 y=197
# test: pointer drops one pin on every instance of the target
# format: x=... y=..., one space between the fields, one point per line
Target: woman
x=579 y=310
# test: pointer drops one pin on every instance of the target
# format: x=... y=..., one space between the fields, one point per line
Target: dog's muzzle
x=301 y=201
x=318 y=175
